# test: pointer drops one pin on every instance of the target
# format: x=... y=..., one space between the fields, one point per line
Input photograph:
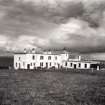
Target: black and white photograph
x=52 y=52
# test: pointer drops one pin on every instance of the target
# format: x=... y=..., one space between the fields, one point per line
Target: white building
x=36 y=60
x=81 y=65
x=33 y=60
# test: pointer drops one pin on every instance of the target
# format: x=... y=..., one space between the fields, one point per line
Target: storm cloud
x=78 y=25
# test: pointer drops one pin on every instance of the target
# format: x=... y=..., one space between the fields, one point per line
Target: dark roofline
x=20 y=53
x=36 y=53
x=52 y=53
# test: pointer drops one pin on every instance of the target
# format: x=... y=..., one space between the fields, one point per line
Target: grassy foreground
x=50 y=88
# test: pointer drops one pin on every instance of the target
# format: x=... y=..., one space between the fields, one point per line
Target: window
x=16 y=64
x=33 y=57
x=46 y=64
x=85 y=65
x=41 y=57
x=19 y=58
x=79 y=65
x=31 y=64
x=65 y=63
x=50 y=63
x=41 y=64
x=56 y=58
x=71 y=64
x=49 y=57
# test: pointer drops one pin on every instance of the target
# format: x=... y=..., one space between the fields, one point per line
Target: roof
x=83 y=61
x=44 y=52
x=73 y=56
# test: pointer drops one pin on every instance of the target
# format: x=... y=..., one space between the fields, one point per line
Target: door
x=58 y=66
x=75 y=66
x=46 y=65
x=28 y=66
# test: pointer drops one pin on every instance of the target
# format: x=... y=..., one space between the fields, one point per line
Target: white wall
x=53 y=61
x=64 y=56
x=19 y=61
x=82 y=65
x=27 y=59
x=30 y=61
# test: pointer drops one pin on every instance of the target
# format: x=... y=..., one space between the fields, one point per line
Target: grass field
x=51 y=88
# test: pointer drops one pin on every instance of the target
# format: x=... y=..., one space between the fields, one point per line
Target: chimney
x=33 y=50
x=25 y=50
x=79 y=58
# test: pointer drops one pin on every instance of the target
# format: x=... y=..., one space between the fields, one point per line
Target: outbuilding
x=81 y=64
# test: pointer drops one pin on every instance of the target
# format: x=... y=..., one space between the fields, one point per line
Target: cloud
x=24 y=41
x=94 y=11
x=24 y=19
x=77 y=25
x=77 y=34
x=20 y=43
x=3 y=41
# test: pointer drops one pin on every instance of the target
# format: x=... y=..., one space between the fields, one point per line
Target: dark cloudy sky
x=76 y=24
